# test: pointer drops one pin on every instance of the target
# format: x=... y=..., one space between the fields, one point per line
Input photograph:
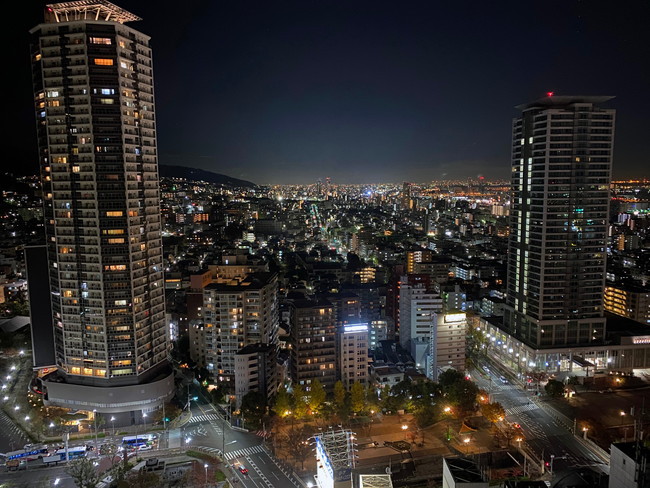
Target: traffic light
x=166 y=419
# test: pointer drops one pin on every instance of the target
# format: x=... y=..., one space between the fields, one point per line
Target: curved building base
x=144 y=397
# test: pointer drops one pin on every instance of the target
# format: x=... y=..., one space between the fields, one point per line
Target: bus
x=73 y=452
x=136 y=441
x=29 y=454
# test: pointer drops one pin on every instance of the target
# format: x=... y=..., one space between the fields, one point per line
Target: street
x=545 y=436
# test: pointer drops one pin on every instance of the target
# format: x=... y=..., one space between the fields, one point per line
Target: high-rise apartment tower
x=96 y=128
x=561 y=170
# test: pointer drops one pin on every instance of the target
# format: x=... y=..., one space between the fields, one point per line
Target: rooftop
x=559 y=101
x=464 y=470
x=87 y=10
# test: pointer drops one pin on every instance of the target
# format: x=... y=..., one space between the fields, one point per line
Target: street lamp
x=95 y=421
x=584 y=432
x=206 y=473
x=144 y=421
x=622 y=416
x=466 y=441
x=552 y=458
x=404 y=428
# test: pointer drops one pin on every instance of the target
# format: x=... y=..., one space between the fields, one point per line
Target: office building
x=95 y=112
x=561 y=169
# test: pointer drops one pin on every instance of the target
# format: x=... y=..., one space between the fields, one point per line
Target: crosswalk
x=247 y=451
x=230 y=455
x=521 y=408
x=195 y=419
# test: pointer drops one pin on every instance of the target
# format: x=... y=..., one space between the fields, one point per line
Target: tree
x=282 y=402
x=83 y=473
x=426 y=415
x=299 y=405
x=317 y=396
x=449 y=377
x=144 y=479
x=339 y=394
x=298 y=445
x=357 y=397
x=463 y=395
x=494 y=412
x=253 y=407
x=537 y=377
x=554 y=388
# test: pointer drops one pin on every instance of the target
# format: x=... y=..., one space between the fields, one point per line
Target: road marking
x=244 y=452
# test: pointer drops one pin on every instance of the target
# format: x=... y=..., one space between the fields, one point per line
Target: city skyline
x=293 y=94
x=449 y=317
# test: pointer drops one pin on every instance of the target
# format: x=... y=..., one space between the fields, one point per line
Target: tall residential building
x=352 y=354
x=96 y=129
x=236 y=313
x=313 y=338
x=417 y=256
x=561 y=170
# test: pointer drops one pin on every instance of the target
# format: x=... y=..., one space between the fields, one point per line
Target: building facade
x=561 y=170
x=237 y=313
x=628 y=300
x=352 y=354
x=313 y=343
x=95 y=112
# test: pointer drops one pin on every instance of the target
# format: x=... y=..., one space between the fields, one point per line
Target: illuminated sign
x=455 y=317
x=348 y=329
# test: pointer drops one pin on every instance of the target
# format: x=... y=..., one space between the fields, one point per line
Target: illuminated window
x=114 y=213
x=115 y=267
x=103 y=62
x=116 y=240
x=113 y=231
x=106 y=101
x=101 y=40
x=76 y=370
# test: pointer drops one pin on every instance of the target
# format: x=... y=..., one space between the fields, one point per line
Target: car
x=503 y=380
x=243 y=470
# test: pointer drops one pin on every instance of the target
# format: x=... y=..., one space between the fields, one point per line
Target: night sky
x=367 y=92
